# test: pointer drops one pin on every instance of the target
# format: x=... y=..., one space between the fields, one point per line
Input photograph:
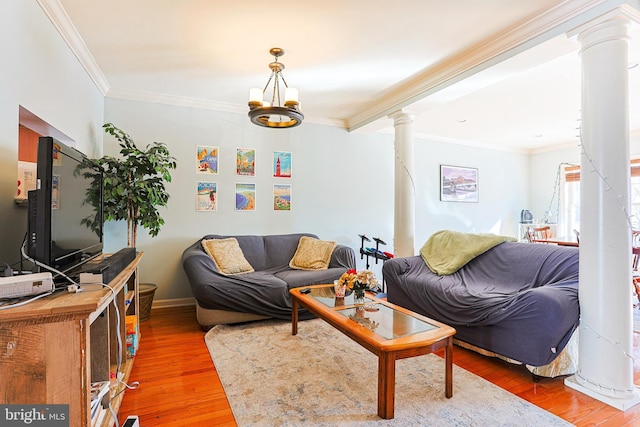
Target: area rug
x=320 y=377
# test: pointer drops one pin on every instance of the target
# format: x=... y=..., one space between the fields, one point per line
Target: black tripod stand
x=376 y=253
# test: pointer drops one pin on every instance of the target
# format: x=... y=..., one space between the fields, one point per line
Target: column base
x=619 y=403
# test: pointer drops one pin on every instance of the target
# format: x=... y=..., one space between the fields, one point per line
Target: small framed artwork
x=245 y=197
x=55 y=192
x=281 y=197
x=206 y=159
x=207 y=197
x=458 y=184
x=57 y=157
x=282 y=164
x=246 y=161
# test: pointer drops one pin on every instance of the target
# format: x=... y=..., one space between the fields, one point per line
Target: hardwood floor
x=179 y=385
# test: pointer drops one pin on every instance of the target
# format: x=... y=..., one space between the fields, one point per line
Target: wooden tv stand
x=52 y=349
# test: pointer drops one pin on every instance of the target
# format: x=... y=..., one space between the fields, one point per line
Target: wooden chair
x=635 y=248
x=539 y=233
x=635 y=253
x=636 y=288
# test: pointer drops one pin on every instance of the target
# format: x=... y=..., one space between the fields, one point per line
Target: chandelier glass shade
x=265 y=105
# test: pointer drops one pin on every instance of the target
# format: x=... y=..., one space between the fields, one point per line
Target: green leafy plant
x=93 y=197
x=134 y=185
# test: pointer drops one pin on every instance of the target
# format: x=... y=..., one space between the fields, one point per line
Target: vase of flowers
x=358 y=297
x=358 y=282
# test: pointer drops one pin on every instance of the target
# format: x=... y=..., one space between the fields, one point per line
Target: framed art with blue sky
x=282 y=164
x=245 y=196
x=207 y=197
x=206 y=159
x=281 y=197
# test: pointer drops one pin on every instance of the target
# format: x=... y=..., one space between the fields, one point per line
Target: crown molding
x=480 y=56
x=183 y=101
x=465 y=142
x=573 y=144
x=490 y=146
x=474 y=144
x=625 y=12
x=327 y=121
x=189 y=102
x=60 y=20
x=555 y=147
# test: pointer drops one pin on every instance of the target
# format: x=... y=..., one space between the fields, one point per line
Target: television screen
x=65 y=210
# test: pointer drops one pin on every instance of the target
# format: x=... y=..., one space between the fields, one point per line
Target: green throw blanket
x=447 y=251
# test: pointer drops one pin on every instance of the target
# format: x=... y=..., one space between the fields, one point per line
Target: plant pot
x=146 y=292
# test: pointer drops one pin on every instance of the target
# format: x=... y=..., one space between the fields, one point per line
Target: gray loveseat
x=261 y=294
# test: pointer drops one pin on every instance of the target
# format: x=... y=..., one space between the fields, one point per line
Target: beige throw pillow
x=312 y=254
x=227 y=256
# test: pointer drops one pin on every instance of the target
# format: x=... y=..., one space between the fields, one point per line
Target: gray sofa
x=264 y=293
x=517 y=300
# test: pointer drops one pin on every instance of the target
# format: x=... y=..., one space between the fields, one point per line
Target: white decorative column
x=606 y=336
x=404 y=195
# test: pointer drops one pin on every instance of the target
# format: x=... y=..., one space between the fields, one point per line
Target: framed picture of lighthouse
x=282 y=164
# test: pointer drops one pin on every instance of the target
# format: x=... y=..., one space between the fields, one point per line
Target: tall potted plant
x=134 y=185
x=133 y=189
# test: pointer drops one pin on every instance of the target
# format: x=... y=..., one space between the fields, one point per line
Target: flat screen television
x=65 y=224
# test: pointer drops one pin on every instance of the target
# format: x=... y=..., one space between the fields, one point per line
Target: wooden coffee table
x=387 y=330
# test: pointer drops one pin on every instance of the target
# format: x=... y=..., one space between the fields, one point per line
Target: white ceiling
x=354 y=61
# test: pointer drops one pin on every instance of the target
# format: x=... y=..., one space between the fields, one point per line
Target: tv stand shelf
x=52 y=349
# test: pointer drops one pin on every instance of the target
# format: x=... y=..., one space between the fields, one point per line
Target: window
x=570 y=195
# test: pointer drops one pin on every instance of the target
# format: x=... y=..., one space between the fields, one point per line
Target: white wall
x=342 y=185
x=544 y=168
x=40 y=73
x=543 y=186
x=502 y=183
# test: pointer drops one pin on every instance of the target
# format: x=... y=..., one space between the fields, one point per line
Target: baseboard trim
x=177 y=302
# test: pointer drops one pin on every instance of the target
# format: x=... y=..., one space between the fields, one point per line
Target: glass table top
x=379 y=318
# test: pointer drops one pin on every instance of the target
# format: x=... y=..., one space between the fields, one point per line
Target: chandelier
x=272 y=113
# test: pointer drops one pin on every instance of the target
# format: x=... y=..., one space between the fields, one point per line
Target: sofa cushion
x=298 y=278
x=312 y=254
x=227 y=256
x=279 y=249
